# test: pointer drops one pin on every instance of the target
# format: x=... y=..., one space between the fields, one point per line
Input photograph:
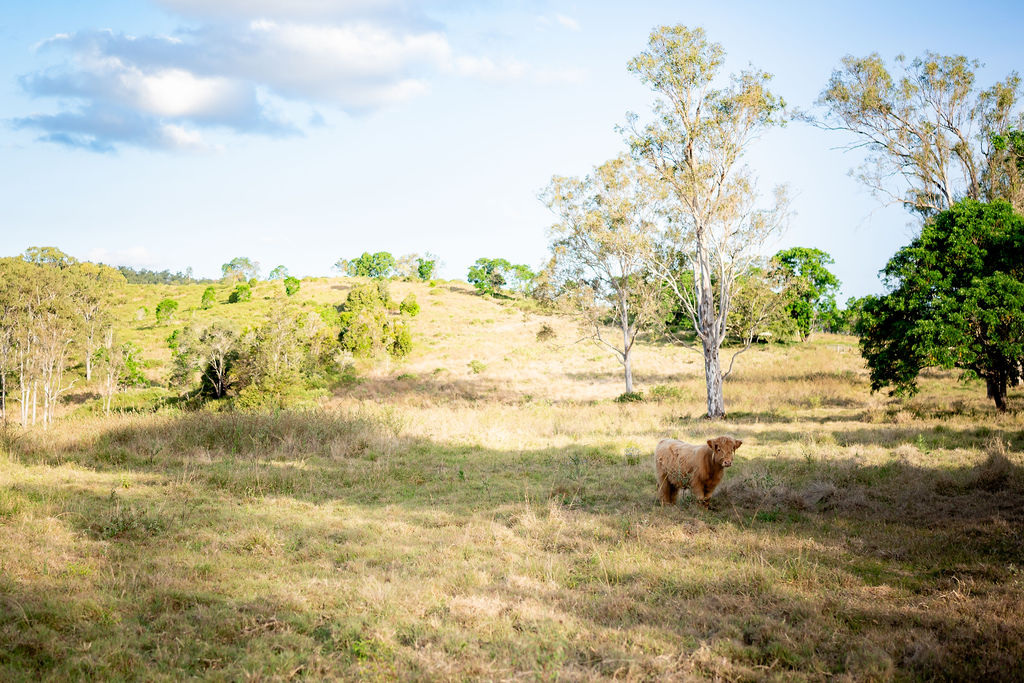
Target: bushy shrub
x=291 y=285
x=209 y=298
x=409 y=306
x=242 y=292
x=664 y=392
x=367 y=328
x=165 y=310
x=476 y=367
x=401 y=345
x=630 y=397
x=546 y=333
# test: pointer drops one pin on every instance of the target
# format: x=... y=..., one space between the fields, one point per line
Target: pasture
x=484 y=510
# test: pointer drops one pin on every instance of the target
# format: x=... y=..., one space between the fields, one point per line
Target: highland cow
x=701 y=467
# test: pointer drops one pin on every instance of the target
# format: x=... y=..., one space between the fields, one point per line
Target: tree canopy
x=377 y=266
x=812 y=286
x=956 y=301
x=600 y=249
x=241 y=268
x=493 y=275
x=932 y=136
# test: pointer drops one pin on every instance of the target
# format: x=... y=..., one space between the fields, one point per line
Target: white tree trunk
x=713 y=377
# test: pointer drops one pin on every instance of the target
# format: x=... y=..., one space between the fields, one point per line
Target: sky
x=168 y=134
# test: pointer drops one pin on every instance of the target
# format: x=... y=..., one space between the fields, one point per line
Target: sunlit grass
x=434 y=522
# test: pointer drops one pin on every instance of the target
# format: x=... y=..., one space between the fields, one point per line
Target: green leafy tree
x=165 y=310
x=693 y=149
x=488 y=275
x=932 y=136
x=425 y=266
x=278 y=273
x=240 y=268
x=291 y=285
x=241 y=292
x=209 y=298
x=378 y=266
x=812 y=286
x=851 y=314
x=759 y=307
x=956 y=300
x=367 y=327
x=493 y=275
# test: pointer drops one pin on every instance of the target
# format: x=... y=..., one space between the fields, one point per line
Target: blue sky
x=177 y=133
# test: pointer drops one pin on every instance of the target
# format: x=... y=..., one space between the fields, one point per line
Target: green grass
x=426 y=524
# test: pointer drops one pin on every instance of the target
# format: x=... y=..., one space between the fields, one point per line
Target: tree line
x=668 y=237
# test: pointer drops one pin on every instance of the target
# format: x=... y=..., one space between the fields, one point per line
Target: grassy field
x=485 y=510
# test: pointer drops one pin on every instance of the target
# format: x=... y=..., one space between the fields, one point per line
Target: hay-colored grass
x=432 y=522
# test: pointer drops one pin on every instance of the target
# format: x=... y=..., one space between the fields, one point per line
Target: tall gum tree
x=600 y=250
x=694 y=148
x=931 y=136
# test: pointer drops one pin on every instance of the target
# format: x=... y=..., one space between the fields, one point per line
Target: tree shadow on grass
x=912 y=530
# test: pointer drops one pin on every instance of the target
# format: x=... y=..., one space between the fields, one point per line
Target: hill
x=484 y=509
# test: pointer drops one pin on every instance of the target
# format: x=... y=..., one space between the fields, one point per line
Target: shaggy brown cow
x=679 y=464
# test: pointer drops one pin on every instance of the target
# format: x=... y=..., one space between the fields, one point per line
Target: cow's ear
x=738 y=443
x=712 y=444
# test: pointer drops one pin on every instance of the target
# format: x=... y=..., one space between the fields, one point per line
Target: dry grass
x=502 y=524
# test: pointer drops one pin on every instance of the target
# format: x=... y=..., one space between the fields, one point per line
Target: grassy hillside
x=483 y=509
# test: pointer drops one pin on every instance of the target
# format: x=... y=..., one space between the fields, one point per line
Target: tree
x=491 y=275
x=600 y=249
x=932 y=137
x=291 y=285
x=49 y=256
x=240 y=268
x=97 y=286
x=241 y=292
x=164 y=277
x=278 y=273
x=120 y=366
x=956 y=300
x=165 y=310
x=211 y=351
x=378 y=266
x=425 y=266
x=759 y=306
x=367 y=328
x=813 y=287
x=694 y=149
x=209 y=298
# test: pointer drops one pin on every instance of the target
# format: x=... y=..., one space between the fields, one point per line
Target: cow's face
x=722 y=449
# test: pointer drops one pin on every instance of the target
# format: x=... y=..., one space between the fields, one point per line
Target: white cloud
x=567 y=22
x=160 y=91
x=284 y=9
x=487 y=69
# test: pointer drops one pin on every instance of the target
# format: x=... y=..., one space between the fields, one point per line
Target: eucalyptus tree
x=600 y=249
x=97 y=287
x=694 y=149
x=931 y=135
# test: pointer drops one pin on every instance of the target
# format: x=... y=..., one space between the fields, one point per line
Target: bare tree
x=694 y=149
x=600 y=248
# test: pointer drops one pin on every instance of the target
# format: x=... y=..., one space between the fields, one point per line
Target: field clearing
x=445 y=519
